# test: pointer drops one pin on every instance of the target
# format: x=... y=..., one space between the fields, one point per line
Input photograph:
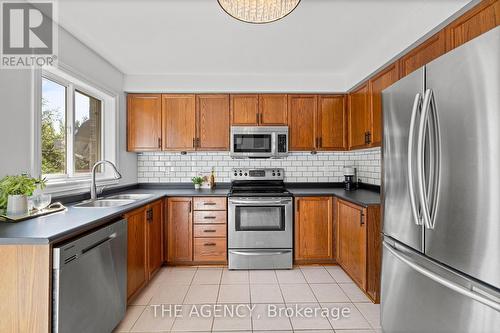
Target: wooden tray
x=52 y=208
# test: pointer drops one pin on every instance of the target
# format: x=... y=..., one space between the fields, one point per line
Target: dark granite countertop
x=64 y=225
x=362 y=197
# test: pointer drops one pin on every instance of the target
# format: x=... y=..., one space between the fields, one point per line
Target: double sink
x=114 y=200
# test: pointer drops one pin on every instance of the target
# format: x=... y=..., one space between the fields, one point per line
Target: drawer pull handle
x=209 y=217
x=209 y=230
x=210 y=203
x=210 y=244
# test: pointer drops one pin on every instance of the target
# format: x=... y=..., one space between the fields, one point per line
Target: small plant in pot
x=15 y=190
x=197 y=181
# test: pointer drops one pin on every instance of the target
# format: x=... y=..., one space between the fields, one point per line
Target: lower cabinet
x=145 y=245
x=314 y=229
x=180 y=229
x=197 y=230
x=358 y=244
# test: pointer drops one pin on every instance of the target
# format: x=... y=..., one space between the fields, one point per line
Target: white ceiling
x=337 y=38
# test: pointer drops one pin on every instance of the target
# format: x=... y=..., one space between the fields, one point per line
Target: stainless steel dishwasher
x=90 y=281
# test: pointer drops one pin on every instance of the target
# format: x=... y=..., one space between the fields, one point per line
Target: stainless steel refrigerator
x=441 y=194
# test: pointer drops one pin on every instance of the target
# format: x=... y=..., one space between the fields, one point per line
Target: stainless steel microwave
x=259 y=141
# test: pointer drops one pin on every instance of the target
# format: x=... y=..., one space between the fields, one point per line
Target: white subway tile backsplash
x=171 y=167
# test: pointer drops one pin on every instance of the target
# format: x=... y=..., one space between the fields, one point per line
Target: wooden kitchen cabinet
x=245 y=110
x=137 y=274
x=302 y=122
x=212 y=114
x=180 y=229
x=358 y=244
x=359 y=117
x=331 y=123
x=378 y=83
x=423 y=54
x=178 y=122
x=145 y=245
x=480 y=19
x=273 y=109
x=143 y=122
x=352 y=240
x=314 y=229
x=154 y=217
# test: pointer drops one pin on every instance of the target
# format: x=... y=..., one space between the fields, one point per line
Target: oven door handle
x=261 y=253
x=259 y=202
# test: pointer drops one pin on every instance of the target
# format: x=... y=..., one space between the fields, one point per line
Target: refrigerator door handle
x=422 y=129
x=436 y=161
x=429 y=192
x=468 y=292
x=417 y=105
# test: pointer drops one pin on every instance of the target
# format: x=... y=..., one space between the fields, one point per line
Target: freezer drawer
x=420 y=296
x=260 y=259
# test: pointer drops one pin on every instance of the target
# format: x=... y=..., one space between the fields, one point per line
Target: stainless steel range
x=260 y=220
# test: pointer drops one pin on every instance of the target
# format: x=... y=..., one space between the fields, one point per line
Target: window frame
x=73 y=82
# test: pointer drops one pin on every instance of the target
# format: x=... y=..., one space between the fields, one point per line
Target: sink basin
x=104 y=203
x=131 y=196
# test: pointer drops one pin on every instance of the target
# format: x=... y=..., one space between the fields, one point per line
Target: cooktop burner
x=248 y=182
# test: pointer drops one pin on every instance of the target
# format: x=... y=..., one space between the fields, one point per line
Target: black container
x=349 y=183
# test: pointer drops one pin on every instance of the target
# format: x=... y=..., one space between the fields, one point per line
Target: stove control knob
x=241 y=174
x=246 y=174
x=279 y=174
x=274 y=174
x=236 y=174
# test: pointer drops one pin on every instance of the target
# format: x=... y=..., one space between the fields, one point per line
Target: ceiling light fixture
x=258 y=11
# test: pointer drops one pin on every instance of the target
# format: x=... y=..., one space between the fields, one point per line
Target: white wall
x=16 y=107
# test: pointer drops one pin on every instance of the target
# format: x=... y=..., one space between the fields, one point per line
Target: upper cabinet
x=477 y=21
x=273 y=110
x=302 y=122
x=179 y=122
x=378 y=83
x=245 y=110
x=259 y=110
x=212 y=122
x=331 y=124
x=143 y=122
x=359 y=118
x=423 y=54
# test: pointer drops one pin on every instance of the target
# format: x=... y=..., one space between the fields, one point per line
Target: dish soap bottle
x=212 y=179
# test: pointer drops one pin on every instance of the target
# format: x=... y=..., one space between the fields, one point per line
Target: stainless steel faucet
x=93 y=187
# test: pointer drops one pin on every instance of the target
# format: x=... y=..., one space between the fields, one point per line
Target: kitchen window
x=77 y=125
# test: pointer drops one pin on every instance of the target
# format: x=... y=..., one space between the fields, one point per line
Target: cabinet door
x=143 y=122
x=245 y=110
x=273 y=110
x=212 y=122
x=377 y=84
x=302 y=121
x=180 y=229
x=359 y=117
x=352 y=240
x=179 y=122
x=155 y=237
x=485 y=16
x=423 y=54
x=136 y=251
x=332 y=121
x=313 y=228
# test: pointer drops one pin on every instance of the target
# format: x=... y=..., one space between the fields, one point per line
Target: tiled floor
x=270 y=301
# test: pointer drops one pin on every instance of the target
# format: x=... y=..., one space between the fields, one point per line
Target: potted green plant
x=14 y=192
x=197 y=181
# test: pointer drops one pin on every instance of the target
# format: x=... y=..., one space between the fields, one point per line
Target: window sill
x=73 y=186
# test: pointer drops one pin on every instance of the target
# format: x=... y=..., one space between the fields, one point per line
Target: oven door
x=248 y=142
x=260 y=223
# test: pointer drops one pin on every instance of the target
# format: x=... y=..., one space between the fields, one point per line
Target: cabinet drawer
x=210 y=203
x=210 y=249
x=210 y=230
x=211 y=217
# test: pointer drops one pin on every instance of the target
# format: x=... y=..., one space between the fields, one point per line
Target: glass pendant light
x=258 y=11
